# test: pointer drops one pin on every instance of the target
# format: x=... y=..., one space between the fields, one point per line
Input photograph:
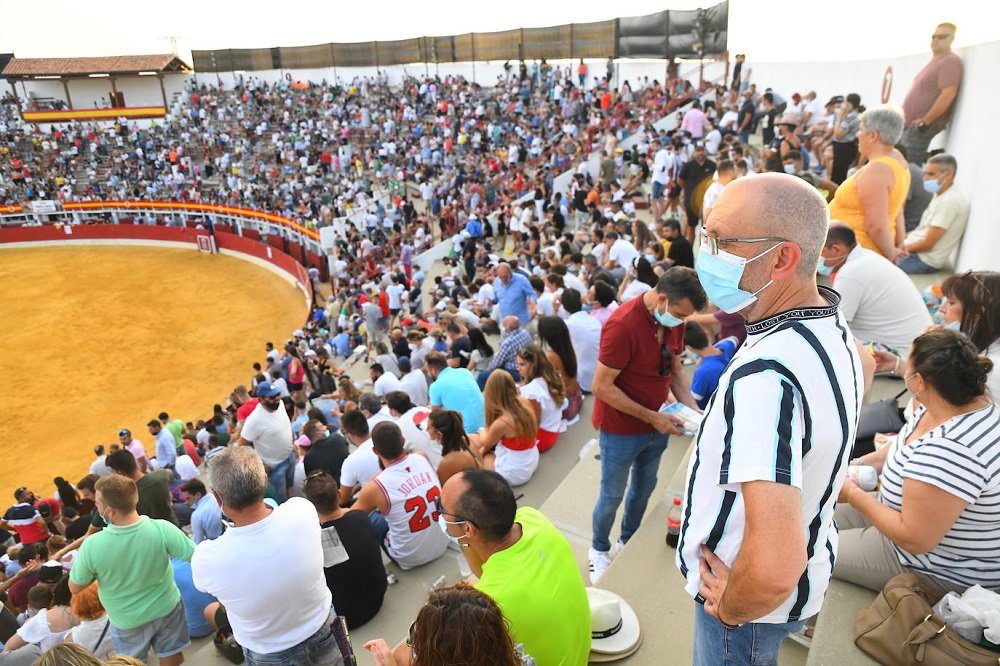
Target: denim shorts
x=320 y=649
x=167 y=636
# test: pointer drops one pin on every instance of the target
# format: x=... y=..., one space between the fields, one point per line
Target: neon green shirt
x=132 y=567
x=538 y=587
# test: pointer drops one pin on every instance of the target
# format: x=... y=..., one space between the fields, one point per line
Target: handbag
x=899 y=628
x=883 y=416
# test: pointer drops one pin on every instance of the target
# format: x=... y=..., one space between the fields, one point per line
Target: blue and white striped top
x=962 y=458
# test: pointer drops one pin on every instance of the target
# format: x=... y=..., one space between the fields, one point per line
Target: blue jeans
x=320 y=649
x=485 y=374
x=754 y=644
x=620 y=453
x=281 y=477
x=912 y=265
x=381 y=526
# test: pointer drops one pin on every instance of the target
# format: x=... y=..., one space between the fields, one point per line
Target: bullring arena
x=105 y=337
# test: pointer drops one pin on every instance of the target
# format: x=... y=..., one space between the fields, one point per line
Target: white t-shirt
x=410 y=486
x=712 y=141
x=186 y=468
x=661 y=167
x=271 y=434
x=948 y=211
x=414 y=384
x=623 y=252
x=585 y=334
x=269 y=576
x=634 y=288
x=395 y=292
x=413 y=425
x=538 y=390
x=385 y=383
x=880 y=301
x=360 y=466
x=711 y=194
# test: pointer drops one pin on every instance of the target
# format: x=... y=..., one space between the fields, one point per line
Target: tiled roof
x=85 y=66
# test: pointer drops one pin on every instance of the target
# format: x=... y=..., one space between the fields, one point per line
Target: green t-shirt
x=176 y=428
x=538 y=586
x=132 y=567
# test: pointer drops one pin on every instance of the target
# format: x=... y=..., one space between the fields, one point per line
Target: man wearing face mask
x=881 y=304
x=135 y=548
x=638 y=365
x=523 y=562
x=929 y=247
x=269 y=431
x=401 y=501
x=757 y=537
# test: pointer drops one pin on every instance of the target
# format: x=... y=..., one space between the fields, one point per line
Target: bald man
x=513 y=291
x=514 y=337
x=758 y=541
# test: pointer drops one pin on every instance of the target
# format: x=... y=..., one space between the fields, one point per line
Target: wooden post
x=163 y=91
x=17 y=100
x=69 y=100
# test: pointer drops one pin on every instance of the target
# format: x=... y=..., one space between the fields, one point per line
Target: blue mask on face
x=932 y=186
x=720 y=276
x=823 y=269
x=953 y=326
x=790 y=169
x=666 y=319
x=443 y=524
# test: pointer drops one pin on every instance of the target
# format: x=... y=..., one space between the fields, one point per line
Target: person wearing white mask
x=929 y=247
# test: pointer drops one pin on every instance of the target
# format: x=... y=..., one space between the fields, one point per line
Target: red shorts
x=546 y=439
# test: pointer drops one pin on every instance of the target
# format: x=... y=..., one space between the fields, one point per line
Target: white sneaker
x=599 y=561
x=618 y=547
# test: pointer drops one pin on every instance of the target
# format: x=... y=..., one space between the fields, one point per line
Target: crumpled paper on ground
x=973 y=615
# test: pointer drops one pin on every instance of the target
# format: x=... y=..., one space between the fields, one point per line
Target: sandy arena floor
x=100 y=338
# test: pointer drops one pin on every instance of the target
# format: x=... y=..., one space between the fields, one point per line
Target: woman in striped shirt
x=937 y=513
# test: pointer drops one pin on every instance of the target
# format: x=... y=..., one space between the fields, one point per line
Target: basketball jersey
x=411 y=487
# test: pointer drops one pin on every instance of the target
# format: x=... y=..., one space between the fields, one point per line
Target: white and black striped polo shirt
x=786 y=411
x=962 y=458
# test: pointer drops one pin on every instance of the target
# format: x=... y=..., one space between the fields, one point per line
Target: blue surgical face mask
x=954 y=326
x=790 y=169
x=443 y=524
x=651 y=258
x=827 y=270
x=932 y=186
x=720 y=276
x=666 y=319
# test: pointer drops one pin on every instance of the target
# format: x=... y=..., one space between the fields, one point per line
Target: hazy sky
x=767 y=30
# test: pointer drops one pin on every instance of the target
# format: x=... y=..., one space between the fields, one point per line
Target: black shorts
x=395 y=311
x=294 y=387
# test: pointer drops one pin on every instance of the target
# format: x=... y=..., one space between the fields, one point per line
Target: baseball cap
x=267 y=390
x=403 y=362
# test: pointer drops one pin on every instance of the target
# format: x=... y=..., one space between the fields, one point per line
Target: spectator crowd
x=662 y=281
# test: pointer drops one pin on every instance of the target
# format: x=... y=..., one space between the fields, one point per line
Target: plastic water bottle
x=439 y=582
x=865 y=476
x=674 y=523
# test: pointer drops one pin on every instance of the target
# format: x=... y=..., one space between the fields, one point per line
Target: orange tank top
x=846 y=204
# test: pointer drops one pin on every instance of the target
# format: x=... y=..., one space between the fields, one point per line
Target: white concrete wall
x=138 y=90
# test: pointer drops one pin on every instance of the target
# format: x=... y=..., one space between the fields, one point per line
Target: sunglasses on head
x=124 y=432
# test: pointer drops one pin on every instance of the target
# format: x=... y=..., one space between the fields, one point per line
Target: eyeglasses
x=944 y=36
x=712 y=243
x=441 y=511
x=666 y=359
